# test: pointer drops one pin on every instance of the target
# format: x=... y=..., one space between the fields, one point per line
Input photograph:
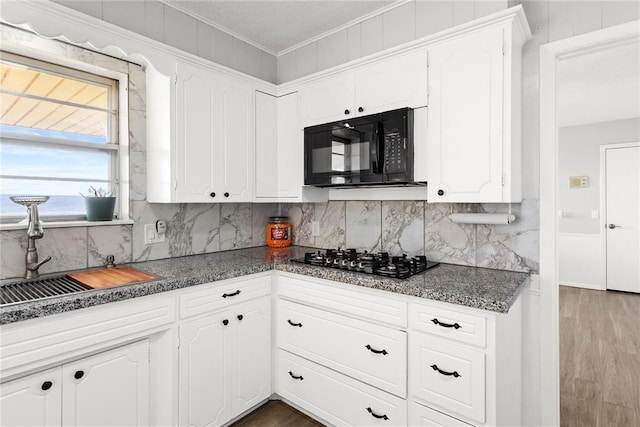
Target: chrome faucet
x=34 y=231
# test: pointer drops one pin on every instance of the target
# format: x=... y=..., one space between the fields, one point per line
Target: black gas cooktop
x=381 y=264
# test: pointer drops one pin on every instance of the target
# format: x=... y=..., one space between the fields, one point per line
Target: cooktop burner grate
x=381 y=264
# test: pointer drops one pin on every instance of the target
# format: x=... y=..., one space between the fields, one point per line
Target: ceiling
x=600 y=86
x=278 y=25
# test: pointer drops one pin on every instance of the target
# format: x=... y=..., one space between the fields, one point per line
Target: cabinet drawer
x=446 y=323
x=341 y=299
x=421 y=416
x=336 y=398
x=371 y=353
x=448 y=375
x=224 y=293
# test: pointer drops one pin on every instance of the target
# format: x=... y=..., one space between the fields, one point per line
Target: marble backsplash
x=419 y=228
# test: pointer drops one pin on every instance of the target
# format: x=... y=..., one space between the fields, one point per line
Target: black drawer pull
x=455 y=374
x=78 y=375
x=225 y=322
x=374 y=415
x=46 y=385
x=373 y=350
x=294 y=324
x=240 y=316
x=233 y=294
x=445 y=325
x=295 y=377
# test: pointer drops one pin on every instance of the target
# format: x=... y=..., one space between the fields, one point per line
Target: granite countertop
x=493 y=290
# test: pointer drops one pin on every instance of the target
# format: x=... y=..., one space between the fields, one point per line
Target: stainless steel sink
x=36 y=289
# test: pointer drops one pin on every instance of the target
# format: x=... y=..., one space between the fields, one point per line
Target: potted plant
x=99 y=204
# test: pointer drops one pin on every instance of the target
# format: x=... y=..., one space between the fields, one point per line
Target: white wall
x=402 y=24
x=165 y=24
x=578 y=155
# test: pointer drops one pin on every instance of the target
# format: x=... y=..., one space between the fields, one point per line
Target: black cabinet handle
x=295 y=377
x=225 y=322
x=47 y=385
x=240 y=317
x=212 y=194
x=454 y=374
x=440 y=192
x=226 y=194
x=347 y=112
x=374 y=415
x=233 y=294
x=78 y=375
x=373 y=350
x=360 y=109
x=445 y=325
x=294 y=324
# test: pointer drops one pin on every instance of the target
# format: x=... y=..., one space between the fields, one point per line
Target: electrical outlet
x=595 y=214
x=151 y=235
x=315 y=228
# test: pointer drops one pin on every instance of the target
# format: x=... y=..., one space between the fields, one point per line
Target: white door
x=397 y=82
x=34 y=400
x=267 y=146
x=108 y=389
x=251 y=354
x=465 y=139
x=622 y=223
x=327 y=100
x=235 y=147
x=195 y=129
x=205 y=371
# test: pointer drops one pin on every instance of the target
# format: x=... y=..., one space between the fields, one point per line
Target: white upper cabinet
x=395 y=82
x=209 y=156
x=473 y=126
x=280 y=152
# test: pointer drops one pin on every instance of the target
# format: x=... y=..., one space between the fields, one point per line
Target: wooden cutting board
x=106 y=277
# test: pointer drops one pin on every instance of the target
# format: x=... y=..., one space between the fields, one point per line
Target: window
x=58 y=136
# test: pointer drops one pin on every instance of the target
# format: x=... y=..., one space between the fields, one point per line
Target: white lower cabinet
x=449 y=375
x=34 y=400
x=337 y=398
x=421 y=416
x=109 y=388
x=371 y=353
x=225 y=364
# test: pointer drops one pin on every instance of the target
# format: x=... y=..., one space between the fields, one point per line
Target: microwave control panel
x=394 y=152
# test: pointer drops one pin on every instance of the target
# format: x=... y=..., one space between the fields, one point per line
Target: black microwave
x=368 y=150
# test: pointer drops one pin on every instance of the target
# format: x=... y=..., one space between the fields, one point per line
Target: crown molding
x=358 y=20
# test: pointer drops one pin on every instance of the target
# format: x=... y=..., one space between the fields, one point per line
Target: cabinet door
x=421 y=416
x=108 y=389
x=236 y=140
x=327 y=100
x=465 y=134
x=267 y=153
x=194 y=151
x=205 y=371
x=397 y=82
x=251 y=354
x=290 y=147
x=34 y=400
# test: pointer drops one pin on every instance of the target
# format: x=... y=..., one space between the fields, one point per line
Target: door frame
x=603 y=206
x=551 y=55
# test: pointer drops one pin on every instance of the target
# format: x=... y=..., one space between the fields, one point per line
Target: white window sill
x=66 y=224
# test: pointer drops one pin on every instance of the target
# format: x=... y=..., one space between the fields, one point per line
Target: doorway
x=552 y=56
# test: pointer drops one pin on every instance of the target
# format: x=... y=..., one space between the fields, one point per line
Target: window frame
x=117 y=135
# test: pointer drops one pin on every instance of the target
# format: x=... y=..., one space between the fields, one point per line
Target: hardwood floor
x=599 y=358
x=275 y=413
